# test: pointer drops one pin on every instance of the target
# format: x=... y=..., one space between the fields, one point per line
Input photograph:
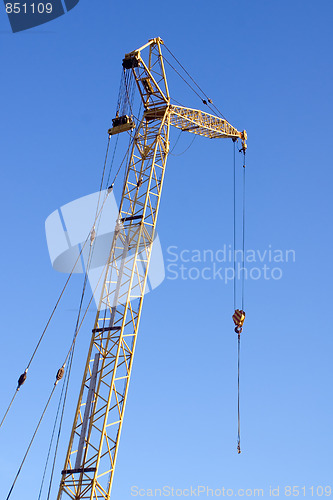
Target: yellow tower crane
x=91 y=457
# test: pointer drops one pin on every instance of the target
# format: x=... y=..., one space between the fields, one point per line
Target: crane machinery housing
x=91 y=456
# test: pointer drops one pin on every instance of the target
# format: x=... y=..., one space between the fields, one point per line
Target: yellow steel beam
x=197 y=122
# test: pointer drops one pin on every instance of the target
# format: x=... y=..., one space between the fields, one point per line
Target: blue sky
x=267 y=66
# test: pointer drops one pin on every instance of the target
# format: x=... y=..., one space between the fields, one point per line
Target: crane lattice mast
x=91 y=457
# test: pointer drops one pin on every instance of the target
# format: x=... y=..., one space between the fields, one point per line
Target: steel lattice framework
x=91 y=456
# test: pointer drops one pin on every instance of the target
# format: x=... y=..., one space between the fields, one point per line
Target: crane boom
x=91 y=456
x=197 y=122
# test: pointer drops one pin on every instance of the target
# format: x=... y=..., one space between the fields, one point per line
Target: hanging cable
x=70 y=365
x=238 y=396
x=243 y=236
x=239 y=314
x=9 y=406
x=206 y=101
x=23 y=376
x=31 y=441
x=77 y=329
x=51 y=441
x=188 y=147
x=70 y=351
x=175 y=144
x=58 y=377
x=234 y=242
x=188 y=84
x=127 y=154
x=112 y=160
x=129 y=86
x=47 y=324
x=60 y=424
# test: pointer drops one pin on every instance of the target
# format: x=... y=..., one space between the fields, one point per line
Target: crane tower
x=91 y=457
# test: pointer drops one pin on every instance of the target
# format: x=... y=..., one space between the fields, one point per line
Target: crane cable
x=71 y=349
x=23 y=376
x=68 y=371
x=206 y=101
x=60 y=424
x=52 y=436
x=31 y=441
x=186 y=149
x=239 y=315
x=58 y=378
x=77 y=328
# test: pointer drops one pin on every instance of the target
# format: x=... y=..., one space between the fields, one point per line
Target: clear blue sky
x=268 y=67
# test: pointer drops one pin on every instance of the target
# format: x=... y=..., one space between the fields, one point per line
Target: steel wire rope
x=177 y=102
x=120 y=92
x=202 y=100
x=166 y=60
x=58 y=300
x=243 y=235
x=68 y=370
x=130 y=95
x=60 y=424
x=129 y=84
x=242 y=286
x=122 y=162
x=195 y=83
x=235 y=296
x=112 y=161
x=131 y=141
x=188 y=147
x=8 y=407
x=52 y=436
x=48 y=322
x=102 y=179
x=77 y=328
x=243 y=222
x=180 y=133
x=238 y=398
x=234 y=225
x=31 y=441
x=70 y=351
x=55 y=384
